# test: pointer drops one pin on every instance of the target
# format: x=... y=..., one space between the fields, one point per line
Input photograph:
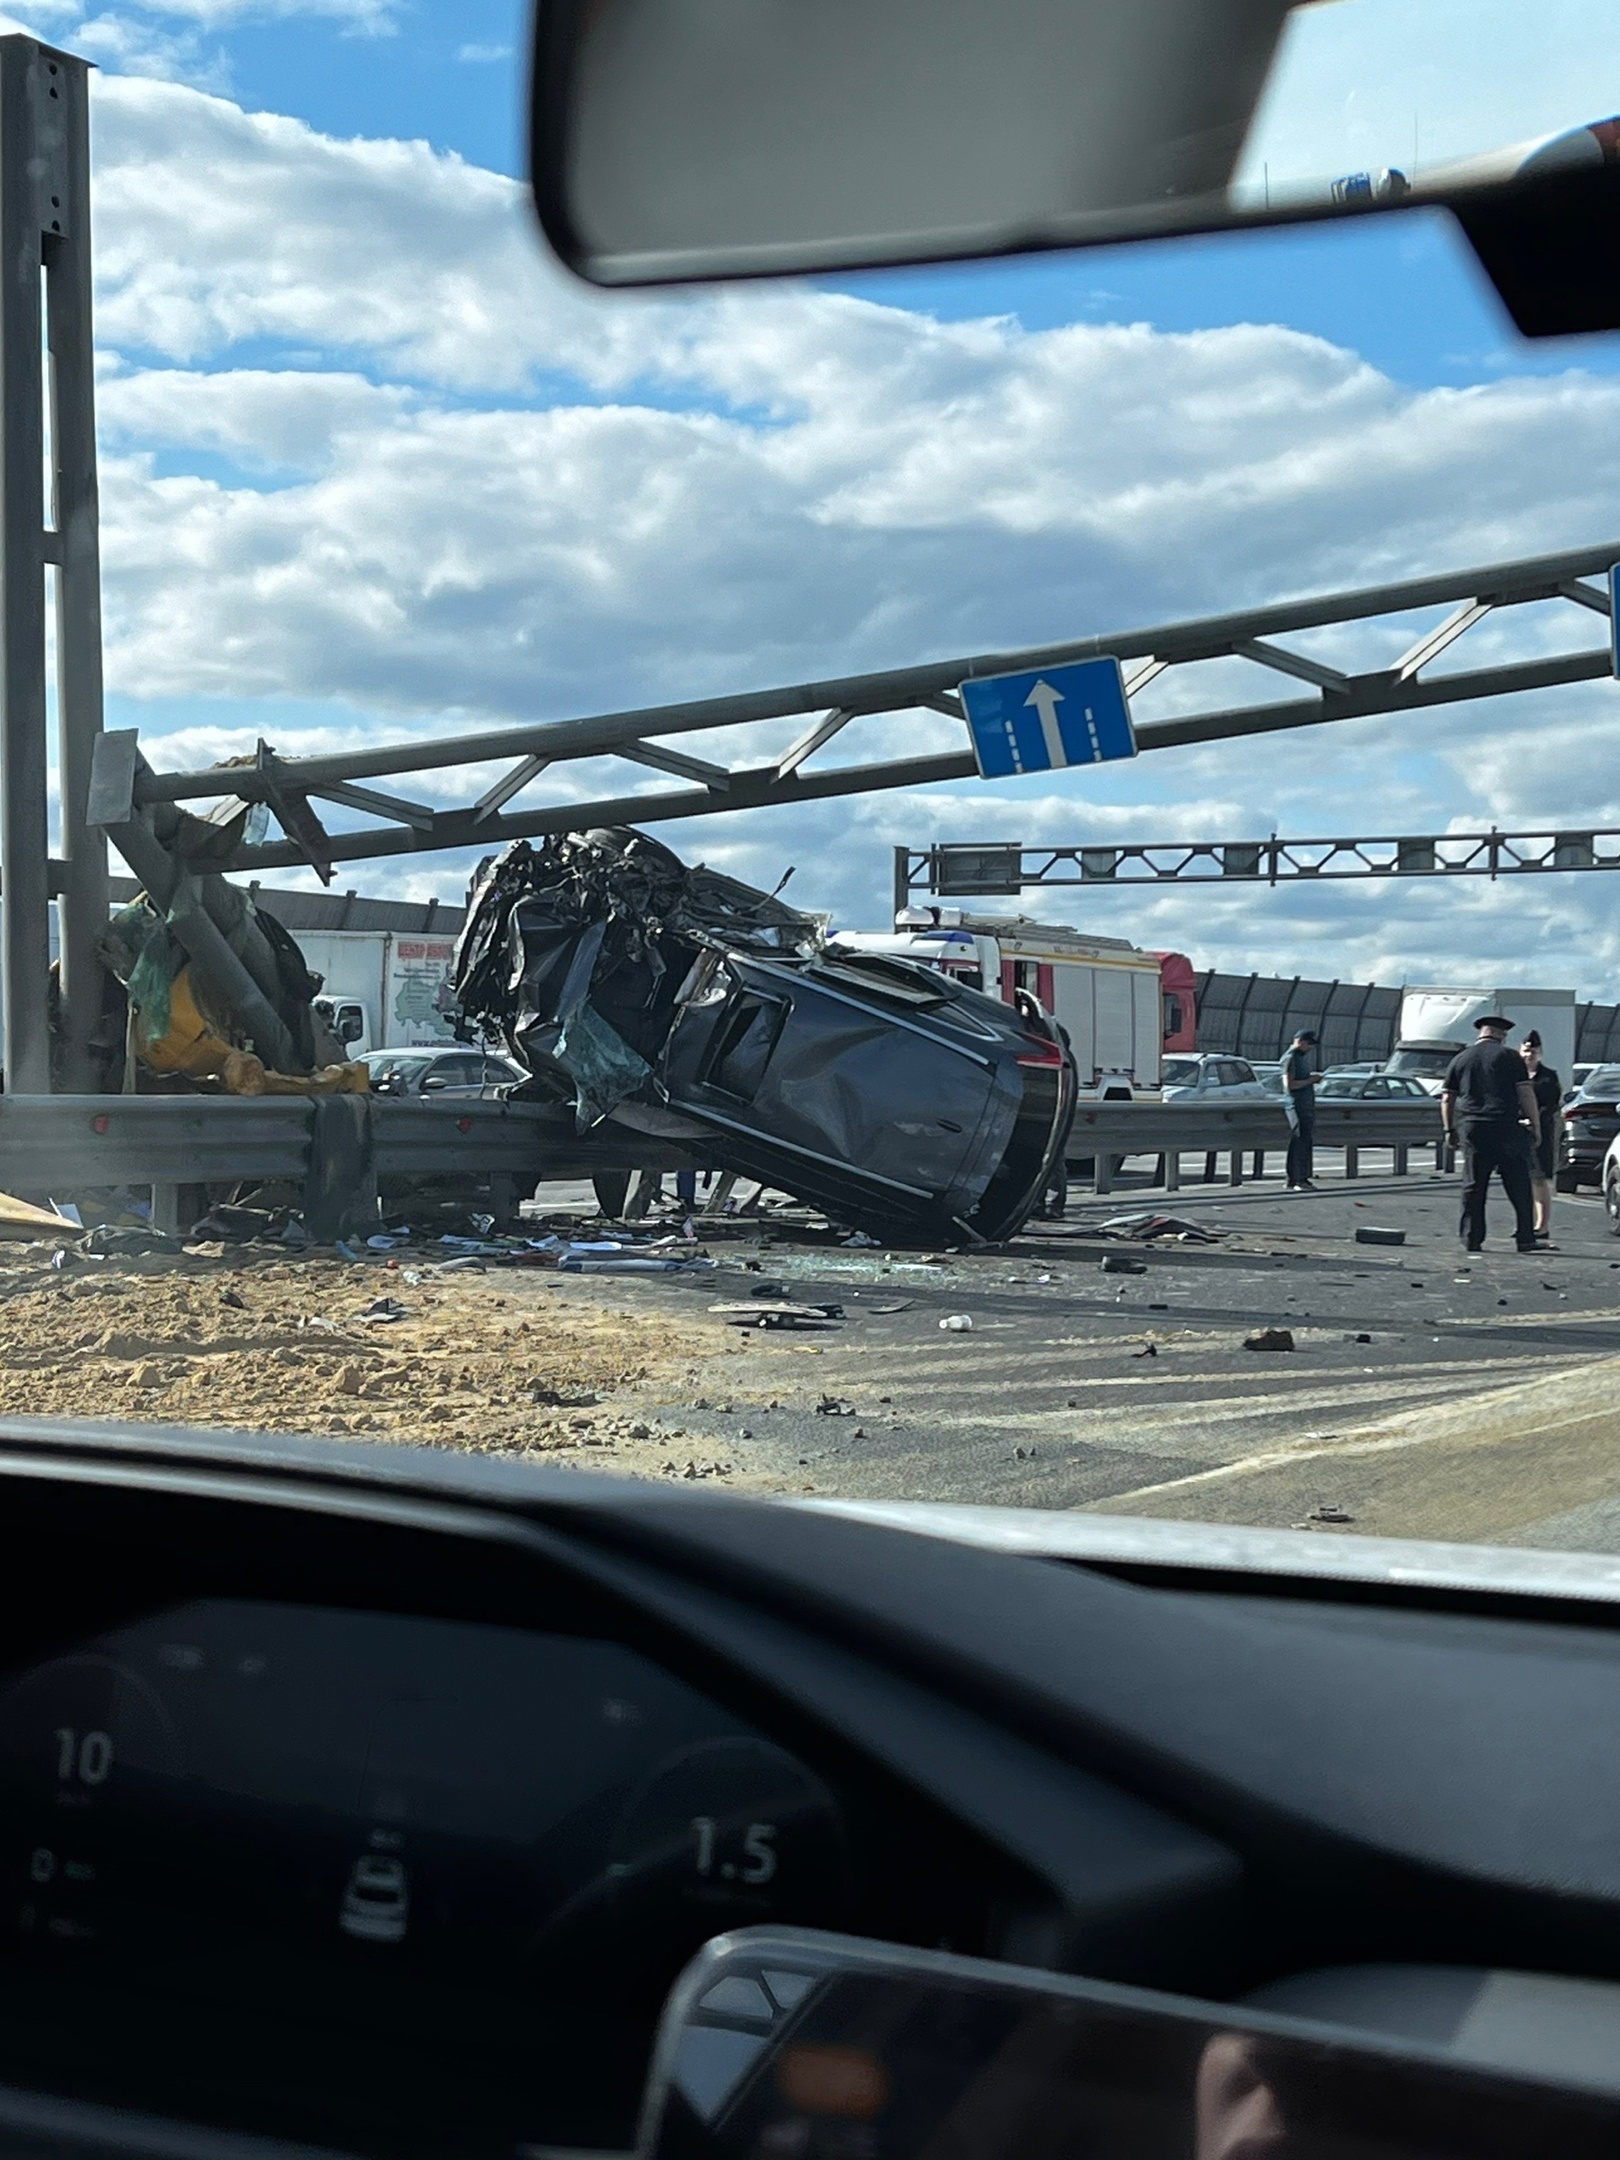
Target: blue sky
x=373 y=467
x=1405 y=292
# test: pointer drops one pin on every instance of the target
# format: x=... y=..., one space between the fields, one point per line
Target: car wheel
x=1611 y=1204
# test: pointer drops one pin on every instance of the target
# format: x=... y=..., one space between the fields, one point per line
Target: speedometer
x=420 y=1882
x=85 y=1748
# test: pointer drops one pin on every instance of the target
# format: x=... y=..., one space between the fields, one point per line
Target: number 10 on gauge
x=82 y=1758
x=758 y=1864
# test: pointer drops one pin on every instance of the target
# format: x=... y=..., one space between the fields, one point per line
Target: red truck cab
x=1178 y=991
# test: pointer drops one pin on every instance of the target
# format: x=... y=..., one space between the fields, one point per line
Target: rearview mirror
x=681 y=139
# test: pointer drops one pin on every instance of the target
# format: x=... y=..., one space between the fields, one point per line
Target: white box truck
x=1436 y=1024
x=1104 y=992
x=384 y=989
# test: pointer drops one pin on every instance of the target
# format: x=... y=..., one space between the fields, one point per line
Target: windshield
x=389 y=1065
x=622 y=627
x=1422 y=1064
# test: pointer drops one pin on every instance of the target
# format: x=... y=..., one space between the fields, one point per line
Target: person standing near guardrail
x=1299 y=1100
x=1488 y=1091
x=1549 y=1093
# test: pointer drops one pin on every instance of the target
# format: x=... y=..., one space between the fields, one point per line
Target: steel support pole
x=33 y=129
x=83 y=904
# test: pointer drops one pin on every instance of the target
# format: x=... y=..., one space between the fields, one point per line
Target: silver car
x=439 y=1075
x=1211 y=1079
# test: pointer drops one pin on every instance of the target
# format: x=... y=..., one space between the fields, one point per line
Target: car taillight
x=1040 y=1053
x=1591 y=1109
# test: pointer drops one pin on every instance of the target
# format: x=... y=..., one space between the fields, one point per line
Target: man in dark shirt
x=1488 y=1093
x=1299 y=1080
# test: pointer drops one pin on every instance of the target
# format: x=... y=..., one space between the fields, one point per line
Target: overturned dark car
x=677 y=1001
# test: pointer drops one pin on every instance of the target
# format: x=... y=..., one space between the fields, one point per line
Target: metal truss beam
x=127 y=787
x=962 y=869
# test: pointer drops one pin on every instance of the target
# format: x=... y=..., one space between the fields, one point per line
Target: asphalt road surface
x=1428 y=1393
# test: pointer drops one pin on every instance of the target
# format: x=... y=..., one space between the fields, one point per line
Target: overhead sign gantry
x=128 y=794
x=962 y=869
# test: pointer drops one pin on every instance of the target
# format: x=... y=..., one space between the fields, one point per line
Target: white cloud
x=469 y=491
x=479 y=54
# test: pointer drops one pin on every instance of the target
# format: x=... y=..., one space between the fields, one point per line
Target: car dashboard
x=371 y=1802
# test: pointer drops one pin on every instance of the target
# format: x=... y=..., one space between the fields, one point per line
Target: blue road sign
x=1048 y=718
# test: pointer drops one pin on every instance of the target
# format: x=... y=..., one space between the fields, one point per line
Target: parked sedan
x=439 y=1075
x=1351 y=1086
x=1211 y=1079
x=1591 y=1120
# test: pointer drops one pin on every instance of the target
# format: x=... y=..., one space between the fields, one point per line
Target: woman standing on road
x=1549 y=1090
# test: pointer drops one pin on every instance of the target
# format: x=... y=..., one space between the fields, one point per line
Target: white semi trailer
x=1436 y=1024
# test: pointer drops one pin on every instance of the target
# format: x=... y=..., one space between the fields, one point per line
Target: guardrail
x=55 y=1143
x=59 y=1144
x=1108 y=1133
x=62 y=1144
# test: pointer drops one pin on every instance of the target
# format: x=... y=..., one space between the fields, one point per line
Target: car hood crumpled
x=574 y=951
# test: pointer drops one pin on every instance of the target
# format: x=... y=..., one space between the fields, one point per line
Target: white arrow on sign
x=1046 y=701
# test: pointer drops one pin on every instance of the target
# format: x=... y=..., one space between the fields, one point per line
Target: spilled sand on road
x=495 y=1363
x=1483 y=1469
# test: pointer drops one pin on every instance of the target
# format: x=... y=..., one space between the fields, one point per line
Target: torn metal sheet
x=878 y=1090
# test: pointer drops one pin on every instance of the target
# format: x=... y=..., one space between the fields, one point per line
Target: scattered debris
x=779 y=1316
x=1147 y=1228
x=112 y=1241
x=894 y=1305
x=1328 y=1513
x=957 y=1323
x=834 y=1406
x=1270 y=1338
x=383 y=1311
x=1148 y=1350
x=21 y=1219
x=1118 y=1264
x=1367 y=1235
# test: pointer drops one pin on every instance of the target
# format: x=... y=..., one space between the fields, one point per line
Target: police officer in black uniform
x=1487 y=1091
